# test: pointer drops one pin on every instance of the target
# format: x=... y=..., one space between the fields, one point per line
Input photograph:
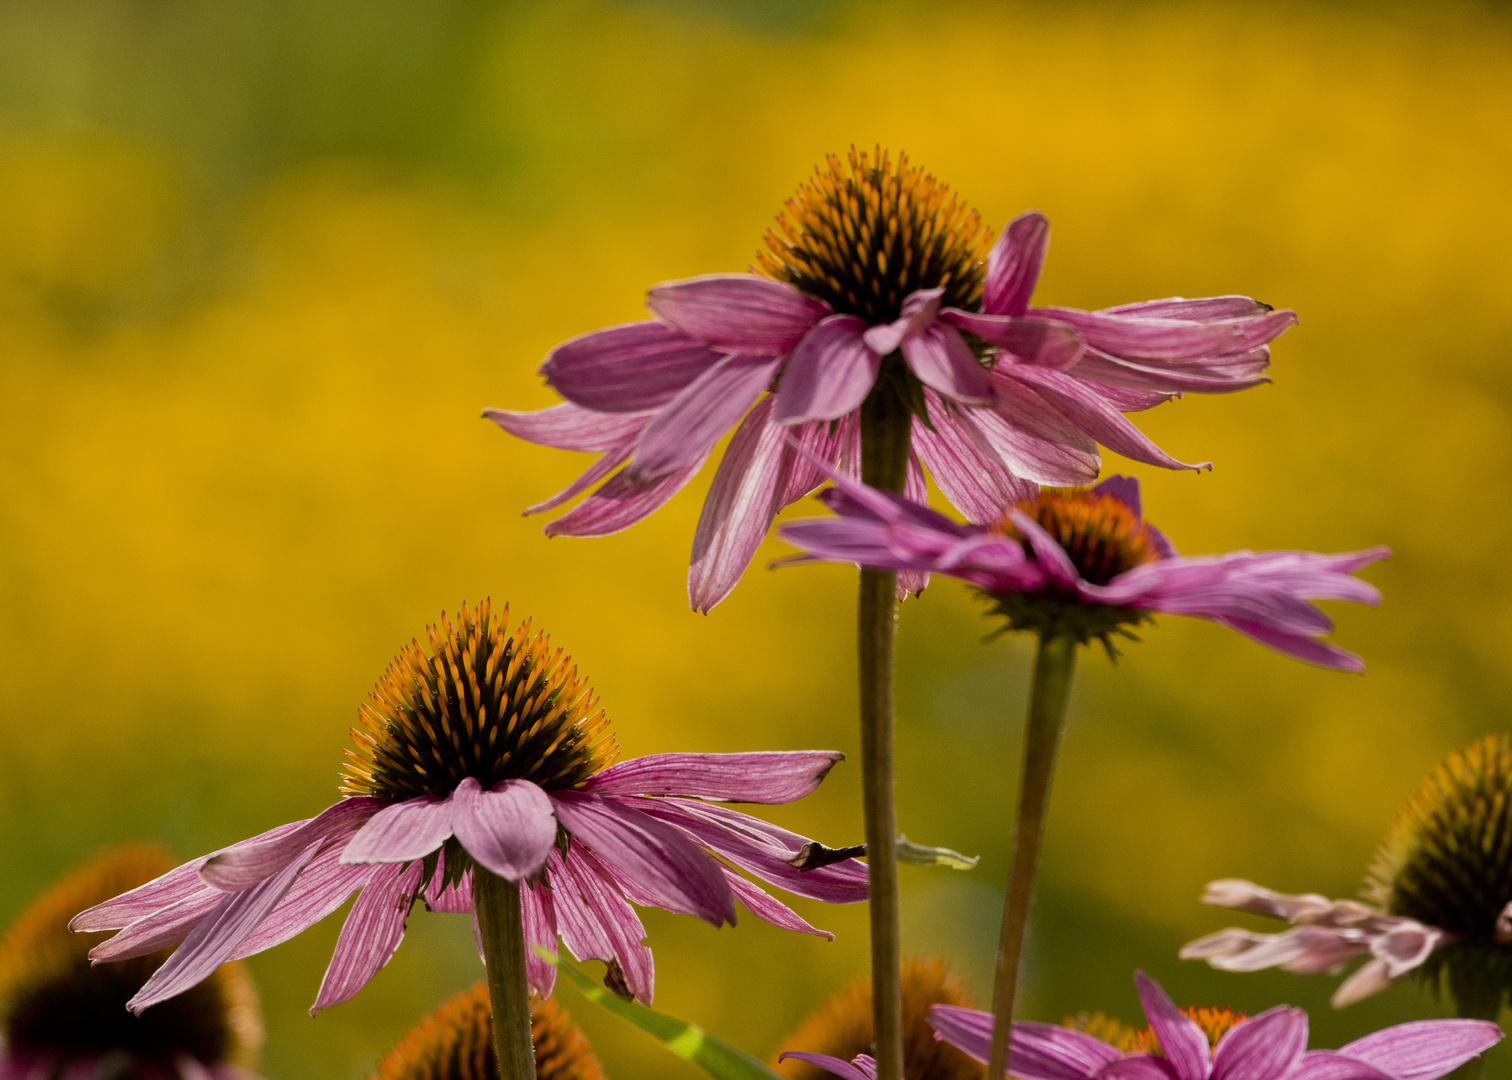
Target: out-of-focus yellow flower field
x=242 y=358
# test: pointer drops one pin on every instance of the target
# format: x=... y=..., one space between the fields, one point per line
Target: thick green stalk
x=501 y=925
x=1474 y=1003
x=885 y=427
x=1053 y=666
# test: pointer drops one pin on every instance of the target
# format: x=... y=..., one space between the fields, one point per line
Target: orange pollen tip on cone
x=1101 y=534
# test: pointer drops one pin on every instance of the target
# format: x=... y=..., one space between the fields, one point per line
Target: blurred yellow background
x=262 y=264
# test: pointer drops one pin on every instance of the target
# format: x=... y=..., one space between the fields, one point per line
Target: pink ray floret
x=1264 y=595
x=645 y=831
x=1028 y=405
x=1270 y=1046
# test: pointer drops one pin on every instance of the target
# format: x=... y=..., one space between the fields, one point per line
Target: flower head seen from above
x=1084 y=563
x=877 y=279
x=487 y=753
x=455 y=1042
x=1179 y=1045
x=841 y=1029
x=1439 y=894
x=62 y=1017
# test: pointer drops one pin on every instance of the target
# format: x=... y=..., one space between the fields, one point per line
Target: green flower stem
x=1053 y=666
x=1474 y=1003
x=501 y=925
x=885 y=428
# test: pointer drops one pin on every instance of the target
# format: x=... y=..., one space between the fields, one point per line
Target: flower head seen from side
x=485 y=752
x=841 y=1029
x=1084 y=563
x=1214 y=1044
x=877 y=280
x=455 y=1043
x=1438 y=892
x=61 y=1016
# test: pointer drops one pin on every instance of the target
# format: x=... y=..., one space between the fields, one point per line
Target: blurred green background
x=262 y=262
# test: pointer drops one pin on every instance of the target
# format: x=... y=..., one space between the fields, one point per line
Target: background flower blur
x=263 y=262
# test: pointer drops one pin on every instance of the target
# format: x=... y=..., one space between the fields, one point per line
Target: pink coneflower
x=486 y=761
x=1084 y=563
x=878 y=282
x=1272 y=1046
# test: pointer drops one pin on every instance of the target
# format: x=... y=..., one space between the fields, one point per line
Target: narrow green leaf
x=920 y=855
x=719 y=1059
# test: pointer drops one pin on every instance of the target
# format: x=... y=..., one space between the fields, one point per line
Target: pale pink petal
x=632 y=368
x=323 y=886
x=157 y=930
x=1222 y=375
x=941 y=359
x=570 y=427
x=843 y=1069
x=1168 y=339
x=829 y=373
x=1013 y=264
x=606 y=464
x=1297 y=646
x=1201 y=309
x=738 y=312
x=1424 y=1049
x=401 y=832
x=370 y=936
x=146 y=900
x=743 y=500
x=915 y=490
x=687 y=429
x=1181 y=1040
x=1263 y=1047
x=817 y=455
x=1140 y=1067
x=1332 y=1065
x=768 y=909
x=244 y=865
x=1035 y=1051
x=1038 y=342
x=1034 y=439
x=621 y=503
x=1242 y=895
x=761 y=776
x=919 y=310
x=539 y=913
x=509 y=828
x=219 y=934
x=658 y=857
x=965 y=466
x=596 y=923
x=1047 y=552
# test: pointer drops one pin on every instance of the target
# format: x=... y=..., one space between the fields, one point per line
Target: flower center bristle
x=1447 y=859
x=863 y=234
x=1101 y=534
x=55 y=1005
x=455 y=1042
x=482 y=703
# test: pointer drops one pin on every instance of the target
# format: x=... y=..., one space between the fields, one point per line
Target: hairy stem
x=885 y=426
x=501 y=925
x=1053 y=665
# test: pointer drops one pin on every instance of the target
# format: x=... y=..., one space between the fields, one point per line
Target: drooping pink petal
x=1049 y=554
x=1092 y=414
x=167 y=926
x=762 y=849
x=1218 y=375
x=596 y=923
x=1425 y=1049
x=219 y=934
x=1200 y=309
x=829 y=373
x=371 y=934
x=1302 y=950
x=509 y=828
x=621 y=503
x=401 y=832
x=539 y=913
x=607 y=462
x=157 y=894
x=919 y=310
x=941 y=359
x=1297 y=646
x=761 y=776
x=768 y=909
x=1013 y=264
x=915 y=490
x=570 y=427
x=1034 y=439
x=1035 y=1051
x=1181 y=1040
x=1370 y=978
x=1171 y=339
x=660 y=859
x=738 y=312
x=839 y=1067
x=1263 y=1047
x=744 y=497
x=244 y=865
x=1332 y=1065
x=687 y=429
x=1140 y=1067
x=1036 y=342
x=963 y=463
x=322 y=887
x=632 y=368
x=816 y=456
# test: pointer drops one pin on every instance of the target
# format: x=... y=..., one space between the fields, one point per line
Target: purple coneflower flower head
x=1439 y=897
x=61 y=1017
x=1271 y=1045
x=488 y=753
x=1084 y=562
x=877 y=280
